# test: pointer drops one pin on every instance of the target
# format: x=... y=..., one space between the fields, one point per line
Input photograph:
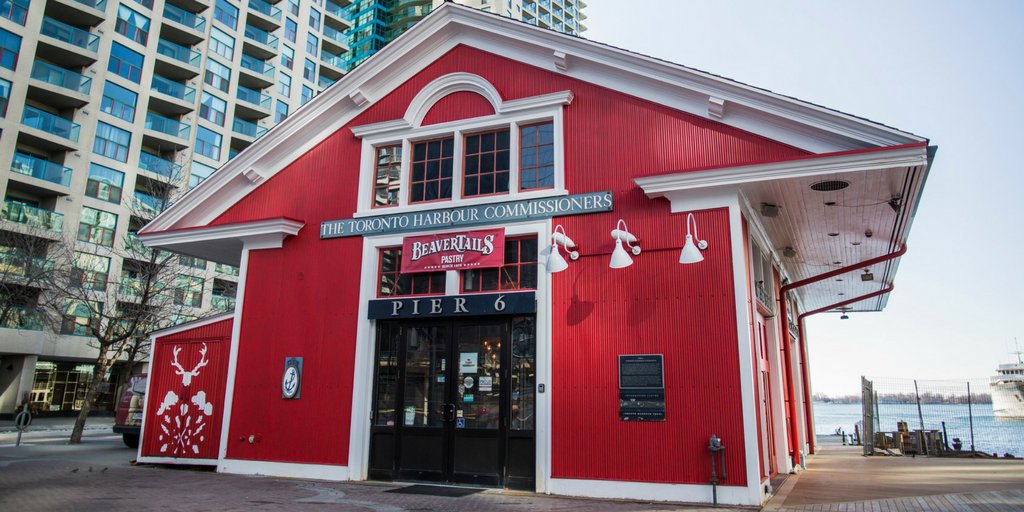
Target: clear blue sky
x=951 y=71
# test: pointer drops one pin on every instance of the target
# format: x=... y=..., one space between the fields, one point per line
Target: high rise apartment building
x=105 y=101
x=378 y=22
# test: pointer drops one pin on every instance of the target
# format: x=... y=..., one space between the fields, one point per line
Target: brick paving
x=45 y=474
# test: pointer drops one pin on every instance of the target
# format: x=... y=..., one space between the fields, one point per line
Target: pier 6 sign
x=465 y=216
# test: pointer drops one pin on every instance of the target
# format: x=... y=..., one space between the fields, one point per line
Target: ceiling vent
x=830 y=185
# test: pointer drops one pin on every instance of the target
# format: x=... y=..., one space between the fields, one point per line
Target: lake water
x=991 y=434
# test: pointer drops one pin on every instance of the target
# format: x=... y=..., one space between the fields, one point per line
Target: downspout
x=803 y=352
x=794 y=429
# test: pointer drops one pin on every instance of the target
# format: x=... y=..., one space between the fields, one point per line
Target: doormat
x=437 y=490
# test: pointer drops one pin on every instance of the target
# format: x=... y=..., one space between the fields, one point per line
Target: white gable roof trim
x=771 y=115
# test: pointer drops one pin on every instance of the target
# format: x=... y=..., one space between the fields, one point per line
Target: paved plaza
x=46 y=474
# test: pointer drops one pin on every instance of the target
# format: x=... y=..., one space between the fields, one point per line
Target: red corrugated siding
x=460 y=105
x=302 y=300
x=198 y=432
x=656 y=306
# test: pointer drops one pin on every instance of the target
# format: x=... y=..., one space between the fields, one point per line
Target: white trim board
x=283 y=469
x=644 y=491
x=771 y=115
x=176 y=460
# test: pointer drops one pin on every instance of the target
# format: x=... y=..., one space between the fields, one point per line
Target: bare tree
x=26 y=273
x=154 y=289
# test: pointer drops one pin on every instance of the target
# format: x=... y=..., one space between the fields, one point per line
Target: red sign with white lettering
x=453 y=251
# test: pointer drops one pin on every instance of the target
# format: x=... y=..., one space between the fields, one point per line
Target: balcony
x=66 y=45
x=255 y=73
x=252 y=104
x=192 y=5
x=50 y=130
x=130 y=286
x=35 y=167
x=175 y=61
x=223 y=302
x=58 y=87
x=333 y=65
x=162 y=132
x=228 y=270
x=264 y=15
x=171 y=97
x=181 y=26
x=78 y=12
x=259 y=43
x=134 y=248
x=159 y=166
x=323 y=82
x=32 y=217
x=146 y=206
x=23 y=318
x=334 y=40
x=22 y=265
x=337 y=16
x=246 y=131
x=14 y=11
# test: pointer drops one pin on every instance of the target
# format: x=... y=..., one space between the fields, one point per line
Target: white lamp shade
x=690 y=254
x=556 y=263
x=620 y=258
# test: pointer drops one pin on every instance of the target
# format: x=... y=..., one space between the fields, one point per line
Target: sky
x=951 y=71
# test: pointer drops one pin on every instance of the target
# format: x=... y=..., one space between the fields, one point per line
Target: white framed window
x=491 y=158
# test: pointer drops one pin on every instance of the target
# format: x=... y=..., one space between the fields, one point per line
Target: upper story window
x=97 y=226
x=514 y=153
x=222 y=44
x=10 y=46
x=118 y=101
x=431 y=170
x=226 y=13
x=125 y=62
x=486 y=164
x=217 y=75
x=518 y=273
x=104 y=183
x=132 y=25
x=393 y=283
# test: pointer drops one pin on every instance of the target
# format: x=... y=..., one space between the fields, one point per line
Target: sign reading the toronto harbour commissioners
x=464 y=216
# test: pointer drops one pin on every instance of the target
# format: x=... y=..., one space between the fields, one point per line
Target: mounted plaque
x=641 y=387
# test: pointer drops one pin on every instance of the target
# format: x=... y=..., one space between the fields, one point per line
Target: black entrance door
x=454 y=402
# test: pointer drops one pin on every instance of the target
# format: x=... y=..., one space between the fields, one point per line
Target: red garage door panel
x=185 y=404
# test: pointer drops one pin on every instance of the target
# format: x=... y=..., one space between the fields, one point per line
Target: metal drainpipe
x=794 y=429
x=803 y=350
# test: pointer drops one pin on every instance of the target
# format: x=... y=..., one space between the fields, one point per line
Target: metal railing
x=22 y=265
x=229 y=270
x=71 y=35
x=258 y=66
x=50 y=123
x=249 y=129
x=183 y=17
x=46 y=72
x=162 y=166
x=260 y=36
x=32 y=216
x=175 y=89
x=178 y=52
x=36 y=167
x=222 y=302
x=24 y=318
x=99 y=5
x=254 y=97
x=332 y=59
x=264 y=8
x=167 y=126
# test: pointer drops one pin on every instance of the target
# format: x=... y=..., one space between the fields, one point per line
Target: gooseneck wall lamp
x=555 y=262
x=691 y=251
x=621 y=258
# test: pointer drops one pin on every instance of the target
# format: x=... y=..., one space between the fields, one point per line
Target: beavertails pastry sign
x=454 y=251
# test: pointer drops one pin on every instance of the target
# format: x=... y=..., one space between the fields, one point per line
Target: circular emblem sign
x=290 y=381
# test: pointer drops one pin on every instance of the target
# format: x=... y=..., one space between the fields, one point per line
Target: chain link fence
x=953 y=417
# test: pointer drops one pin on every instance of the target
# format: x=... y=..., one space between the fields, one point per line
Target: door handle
x=449 y=412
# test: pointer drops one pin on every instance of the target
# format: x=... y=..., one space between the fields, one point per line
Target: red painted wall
x=184 y=421
x=301 y=300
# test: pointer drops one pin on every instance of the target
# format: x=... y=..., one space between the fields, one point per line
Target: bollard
x=21 y=422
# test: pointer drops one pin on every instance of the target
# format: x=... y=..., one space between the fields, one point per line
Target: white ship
x=1008 y=390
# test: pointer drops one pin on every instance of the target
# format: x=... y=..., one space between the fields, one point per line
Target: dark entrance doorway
x=454 y=401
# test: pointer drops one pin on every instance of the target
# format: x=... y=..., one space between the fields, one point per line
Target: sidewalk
x=60 y=423
x=840 y=478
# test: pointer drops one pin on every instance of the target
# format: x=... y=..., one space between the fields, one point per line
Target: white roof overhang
x=787 y=120
x=224 y=243
x=870 y=217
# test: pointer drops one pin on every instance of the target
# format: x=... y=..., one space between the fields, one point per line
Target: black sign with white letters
x=516 y=303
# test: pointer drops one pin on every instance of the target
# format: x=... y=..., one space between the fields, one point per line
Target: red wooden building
x=462 y=263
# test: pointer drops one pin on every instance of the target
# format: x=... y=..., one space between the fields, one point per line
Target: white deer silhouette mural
x=184 y=432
